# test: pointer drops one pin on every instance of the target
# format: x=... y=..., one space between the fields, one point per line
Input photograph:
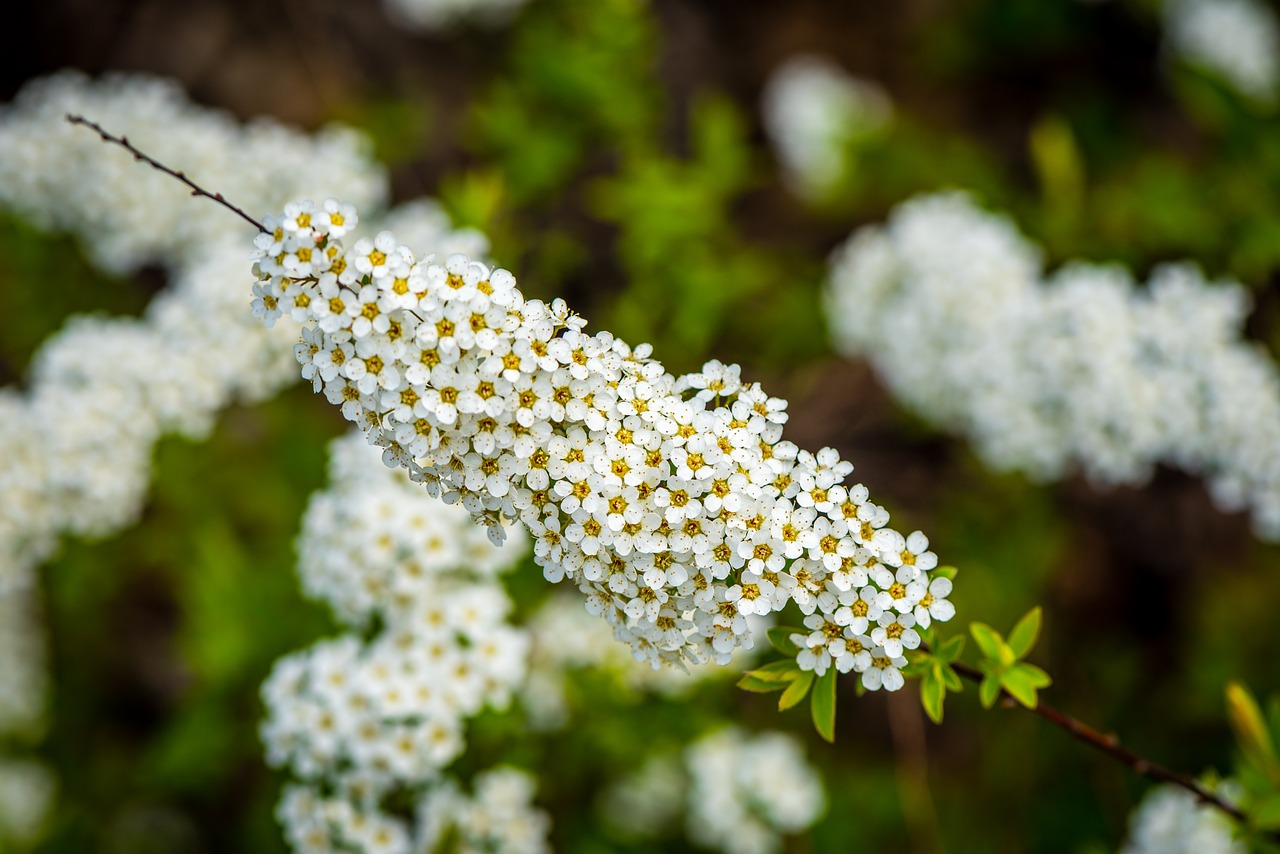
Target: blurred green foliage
x=663 y=219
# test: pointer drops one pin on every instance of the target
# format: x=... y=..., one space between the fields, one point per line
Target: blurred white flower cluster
x=740 y=793
x=747 y=791
x=499 y=818
x=645 y=802
x=360 y=720
x=26 y=786
x=673 y=504
x=1170 y=821
x=23 y=679
x=435 y=15
x=1237 y=40
x=26 y=793
x=566 y=638
x=813 y=110
x=1079 y=369
x=100 y=392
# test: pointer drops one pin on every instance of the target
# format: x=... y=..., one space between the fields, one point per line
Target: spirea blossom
x=747 y=791
x=1081 y=369
x=812 y=111
x=673 y=504
x=359 y=719
x=1237 y=40
x=1170 y=821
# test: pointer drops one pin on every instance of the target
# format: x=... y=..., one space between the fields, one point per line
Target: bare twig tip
x=138 y=154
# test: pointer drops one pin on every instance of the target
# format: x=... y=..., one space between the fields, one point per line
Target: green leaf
x=952 y=679
x=1057 y=159
x=1021 y=682
x=989 y=640
x=950 y=650
x=757 y=685
x=932 y=694
x=777 y=671
x=947 y=572
x=919 y=663
x=1025 y=633
x=823 y=705
x=1266 y=815
x=1251 y=728
x=1037 y=677
x=780 y=637
x=989 y=690
x=796 y=691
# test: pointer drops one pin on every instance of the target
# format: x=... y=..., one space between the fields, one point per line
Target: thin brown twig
x=196 y=189
x=1110 y=745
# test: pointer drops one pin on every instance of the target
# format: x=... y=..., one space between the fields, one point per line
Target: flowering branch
x=196 y=189
x=1109 y=744
x=673 y=504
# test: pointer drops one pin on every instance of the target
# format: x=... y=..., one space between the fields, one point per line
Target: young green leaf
x=933 y=691
x=823 y=705
x=776 y=671
x=1266 y=815
x=1025 y=633
x=1037 y=677
x=1251 y=729
x=1020 y=683
x=989 y=690
x=989 y=640
x=952 y=679
x=947 y=572
x=780 y=638
x=949 y=651
x=756 y=685
x=919 y=663
x=796 y=691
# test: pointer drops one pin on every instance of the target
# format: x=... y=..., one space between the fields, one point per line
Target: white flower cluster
x=566 y=638
x=1170 y=821
x=746 y=791
x=813 y=110
x=78 y=441
x=374 y=545
x=498 y=819
x=673 y=504
x=1082 y=368
x=1238 y=40
x=361 y=720
x=434 y=15
x=739 y=792
x=104 y=389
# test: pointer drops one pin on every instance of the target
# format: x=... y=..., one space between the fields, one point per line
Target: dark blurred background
x=613 y=152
